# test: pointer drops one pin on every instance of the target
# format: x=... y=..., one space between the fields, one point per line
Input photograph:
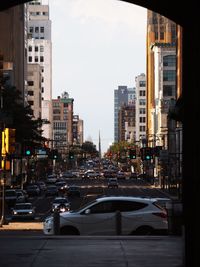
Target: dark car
x=33 y=190
x=61 y=204
x=51 y=190
x=113 y=183
x=73 y=190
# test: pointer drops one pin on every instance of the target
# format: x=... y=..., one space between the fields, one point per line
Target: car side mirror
x=87 y=211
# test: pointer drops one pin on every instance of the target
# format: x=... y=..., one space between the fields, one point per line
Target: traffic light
x=8 y=141
x=29 y=151
x=132 y=153
x=71 y=155
x=54 y=153
x=146 y=153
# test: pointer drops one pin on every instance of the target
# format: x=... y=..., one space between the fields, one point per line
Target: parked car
x=23 y=211
x=61 y=204
x=113 y=183
x=138 y=216
x=73 y=190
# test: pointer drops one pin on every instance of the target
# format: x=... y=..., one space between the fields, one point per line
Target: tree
x=28 y=129
x=89 y=148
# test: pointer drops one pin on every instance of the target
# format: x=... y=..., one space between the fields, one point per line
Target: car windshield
x=23 y=206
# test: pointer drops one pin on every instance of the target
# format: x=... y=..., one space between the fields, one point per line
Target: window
x=130 y=205
x=31 y=93
x=42 y=80
x=161 y=35
x=31 y=29
x=36 y=29
x=37 y=13
x=56 y=111
x=41 y=59
x=169 y=75
x=142 y=119
x=65 y=105
x=36 y=59
x=30 y=48
x=42 y=89
x=36 y=49
x=169 y=61
x=42 y=29
x=142 y=128
x=65 y=111
x=41 y=48
x=168 y=90
x=103 y=207
x=142 y=111
x=31 y=103
x=142 y=83
x=56 y=118
x=30 y=83
x=29 y=59
x=142 y=93
x=142 y=102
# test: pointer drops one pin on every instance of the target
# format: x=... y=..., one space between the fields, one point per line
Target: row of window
x=36 y=29
x=36 y=59
x=30 y=48
x=38 y=13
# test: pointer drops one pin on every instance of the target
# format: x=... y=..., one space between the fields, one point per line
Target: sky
x=97 y=45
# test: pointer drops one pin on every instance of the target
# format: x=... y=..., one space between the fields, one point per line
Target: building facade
x=164 y=91
x=140 y=127
x=122 y=96
x=62 y=123
x=159 y=30
x=34 y=91
x=77 y=130
x=12 y=46
x=40 y=52
x=126 y=123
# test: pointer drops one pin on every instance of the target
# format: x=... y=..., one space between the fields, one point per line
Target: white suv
x=138 y=216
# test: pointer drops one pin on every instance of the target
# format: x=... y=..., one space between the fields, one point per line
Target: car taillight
x=160 y=214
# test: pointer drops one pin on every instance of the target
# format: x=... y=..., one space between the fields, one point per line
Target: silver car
x=100 y=217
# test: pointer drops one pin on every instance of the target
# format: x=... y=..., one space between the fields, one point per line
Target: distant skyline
x=97 y=45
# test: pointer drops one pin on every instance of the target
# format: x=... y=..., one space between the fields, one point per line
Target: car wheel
x=143 y=230
x=69 y=230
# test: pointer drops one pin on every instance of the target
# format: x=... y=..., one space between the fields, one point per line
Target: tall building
x=122 y=96
x=13 y=45
x=126 y=123
x=140 y=128
x=159 y=30
x=62 y=122
x=34 y=93
x=40 y=52
x=164 y=91
x=77 y=130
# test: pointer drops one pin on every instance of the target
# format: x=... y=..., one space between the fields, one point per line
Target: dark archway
x=185 y=14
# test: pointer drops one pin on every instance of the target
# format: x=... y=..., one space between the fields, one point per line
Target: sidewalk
x=24 y=250
x=22 y=226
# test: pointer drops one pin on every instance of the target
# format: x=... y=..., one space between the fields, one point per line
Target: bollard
x=169 y=209
x=118 y=217
x=56 y=222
